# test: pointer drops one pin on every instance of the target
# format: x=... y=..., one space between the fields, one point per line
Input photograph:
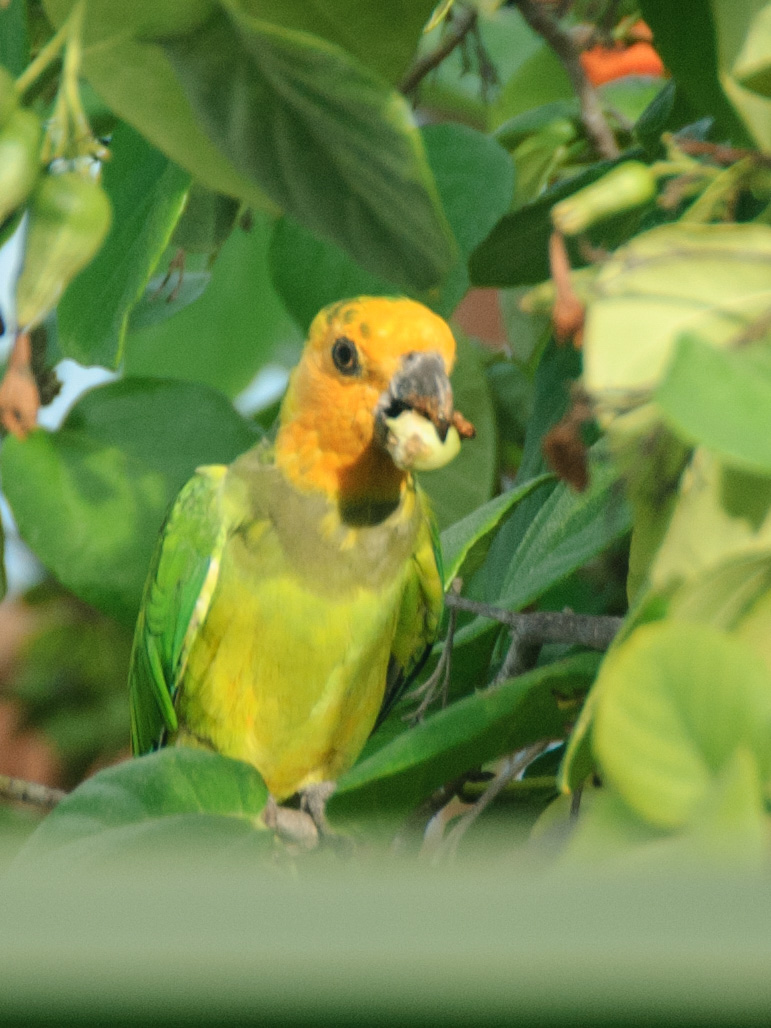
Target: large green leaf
x=721 y=399
x=323 y=136
x=569 y=530
x=14 y=44
x=711 y=280
x=753 y=65
x=89 y=499
x=326 y=122
x=675 y=701
x=695 y=66
x=742 y=41
x=382 y=36
x=147 y=192
x=474 y=177
x=130 y=73
x=516 y=252
x=721 y=513
x=225 y=336
x=557 y=369
x=465 y=535
x=474 y=730
x=467 y=481
x=540 y=79
x=153 y=807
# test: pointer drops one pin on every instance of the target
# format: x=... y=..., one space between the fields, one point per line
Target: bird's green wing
x=180 y=583
x=420 y=611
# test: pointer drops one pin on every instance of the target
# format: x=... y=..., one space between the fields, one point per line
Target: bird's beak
x=415 y=419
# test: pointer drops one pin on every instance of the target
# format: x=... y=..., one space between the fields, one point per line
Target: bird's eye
x=345 y=356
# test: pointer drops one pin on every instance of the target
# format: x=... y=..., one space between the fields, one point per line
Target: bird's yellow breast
x=288 y=669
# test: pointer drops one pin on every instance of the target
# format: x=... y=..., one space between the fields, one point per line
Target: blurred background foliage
x=584 y=190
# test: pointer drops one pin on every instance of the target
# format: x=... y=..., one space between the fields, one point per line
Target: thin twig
x=36 y=795
x=719 y=153
x=458 y=29
x=596 y=631
x=513 y=766
x=439 y=680
x=563 y=45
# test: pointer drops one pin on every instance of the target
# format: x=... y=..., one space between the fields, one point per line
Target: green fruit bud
x=8 y=96
x=69 y=218
x=19 y=159
x=627 y=186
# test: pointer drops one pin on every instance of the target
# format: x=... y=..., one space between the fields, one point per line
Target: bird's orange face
x=366 y=360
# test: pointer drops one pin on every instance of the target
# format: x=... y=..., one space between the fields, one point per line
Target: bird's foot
x=313 y=801
x=293 y=826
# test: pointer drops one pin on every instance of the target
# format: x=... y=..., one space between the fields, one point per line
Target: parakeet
x=293 y=593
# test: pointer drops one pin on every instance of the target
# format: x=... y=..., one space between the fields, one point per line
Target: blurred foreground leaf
x=175 y=797
x=721 y=399
x=675 y=703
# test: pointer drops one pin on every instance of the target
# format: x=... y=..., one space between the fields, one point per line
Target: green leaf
x=463 y=536
x=469 y=733
x=742 y=33
x=537 y=158
x=675 y=702
x=695 y=67
x=753 y=65
x=539 y=80
x=152 y=807
x=147 y=192
x=722 y=513
x=236 y=326
x=165 y=295
x=630 y=96
x=516 y=252
x=89 y=499
x=569 y=530
x=130 y=73
x=308 y=273
x=467 y=481
x=382 y=36
x=721 y=399
x=324 y=137
x=474 y=177
x=557 y=369
x=710 y=280
x=207 y=221
x=14 y=42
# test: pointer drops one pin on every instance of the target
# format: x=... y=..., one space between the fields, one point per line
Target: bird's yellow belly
x=288 y=680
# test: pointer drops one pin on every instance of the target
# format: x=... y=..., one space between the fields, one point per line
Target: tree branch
x=596 y=631
x=512 y=767
x=19 y=791
x=563 y=45
x=458 y=30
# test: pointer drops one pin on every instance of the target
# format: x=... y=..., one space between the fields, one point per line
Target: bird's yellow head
x=370 y=399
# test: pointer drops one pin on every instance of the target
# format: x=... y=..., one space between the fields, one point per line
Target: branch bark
x=458 y=30
x=596 y=631
x=564 y=46
x=19 y=791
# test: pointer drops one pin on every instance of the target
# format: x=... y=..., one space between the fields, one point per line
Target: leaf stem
x=46 y=56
